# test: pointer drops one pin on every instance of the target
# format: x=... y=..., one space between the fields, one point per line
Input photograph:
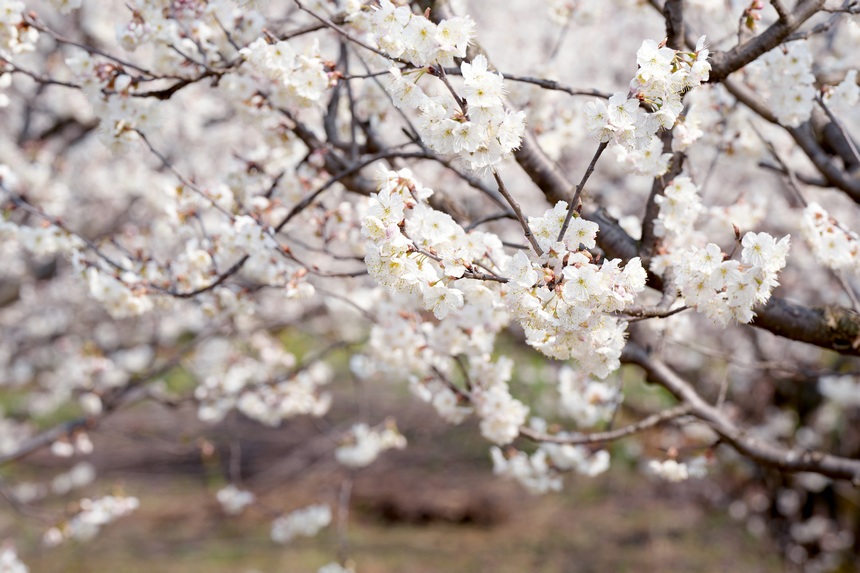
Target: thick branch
x=650 y=242
x=673 y=12
x=832 y=327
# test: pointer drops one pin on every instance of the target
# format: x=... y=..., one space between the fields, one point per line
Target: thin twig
x=518 y=212
x=572 y=206
x=611 y=435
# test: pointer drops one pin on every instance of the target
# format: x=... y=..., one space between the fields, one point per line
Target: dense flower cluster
x=295 y=80
x=234 y=500
x=476 y=128
x=268 y=389
x=9 y=562
x=414 y=38
x=727 y=290
x=426 y=252
x=542 y=471
x=680 y=205
x=631 y=121
x=787 y=77
x=93 y=515
x=188 y=26
x=307 y=522
x=675 y=471
x=833 y=244
x=585 y=400
x=564 y=298
x=364 y=444
x=15 y=35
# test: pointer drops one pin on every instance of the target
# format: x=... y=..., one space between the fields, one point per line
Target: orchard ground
x=433 y=507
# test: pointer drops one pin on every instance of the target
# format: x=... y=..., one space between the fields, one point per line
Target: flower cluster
x=788 y=78
x=727 y=290
x=584 y=400
x=15 y=35
x=632 y=120
x=501 y=414
x=478 y=129
x=832 y=244
x=9 y=562
x=535 y=472
x=42 y=240
x=307 y=522
x=415 y=39
x=119 y=293
x=234 y=500
x=675 y=471
x=563 y=298
x=434 y=251
x=107 y=86
x=171 y=26
x=364 y=444
x=541 y=472
x=268 y=389
x=294 y=79
x=680 y=205
x=842 y=390
x=93 y=515
x=844 y=97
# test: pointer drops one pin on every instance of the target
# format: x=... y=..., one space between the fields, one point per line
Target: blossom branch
x=650 y=242
x=724 y=63
x=652 y=421
x=546 y=84
x=765 y=453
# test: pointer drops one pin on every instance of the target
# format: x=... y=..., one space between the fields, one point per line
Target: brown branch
x=673 y=12
x=519 y=213
x=167 y=93
x=832 y=327
x=650 y=242
x=573 y=205
x=642 y=312
x=805 y=137
x=724 y=63
x=543 y=83
x=235 y=268
x=740 y=438
x=611 y=435
x=45 y=439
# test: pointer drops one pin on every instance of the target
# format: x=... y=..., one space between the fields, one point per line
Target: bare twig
x=519 y=214
x=574 y=200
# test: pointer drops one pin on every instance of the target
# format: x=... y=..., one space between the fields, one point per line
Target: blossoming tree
x=183 y=180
